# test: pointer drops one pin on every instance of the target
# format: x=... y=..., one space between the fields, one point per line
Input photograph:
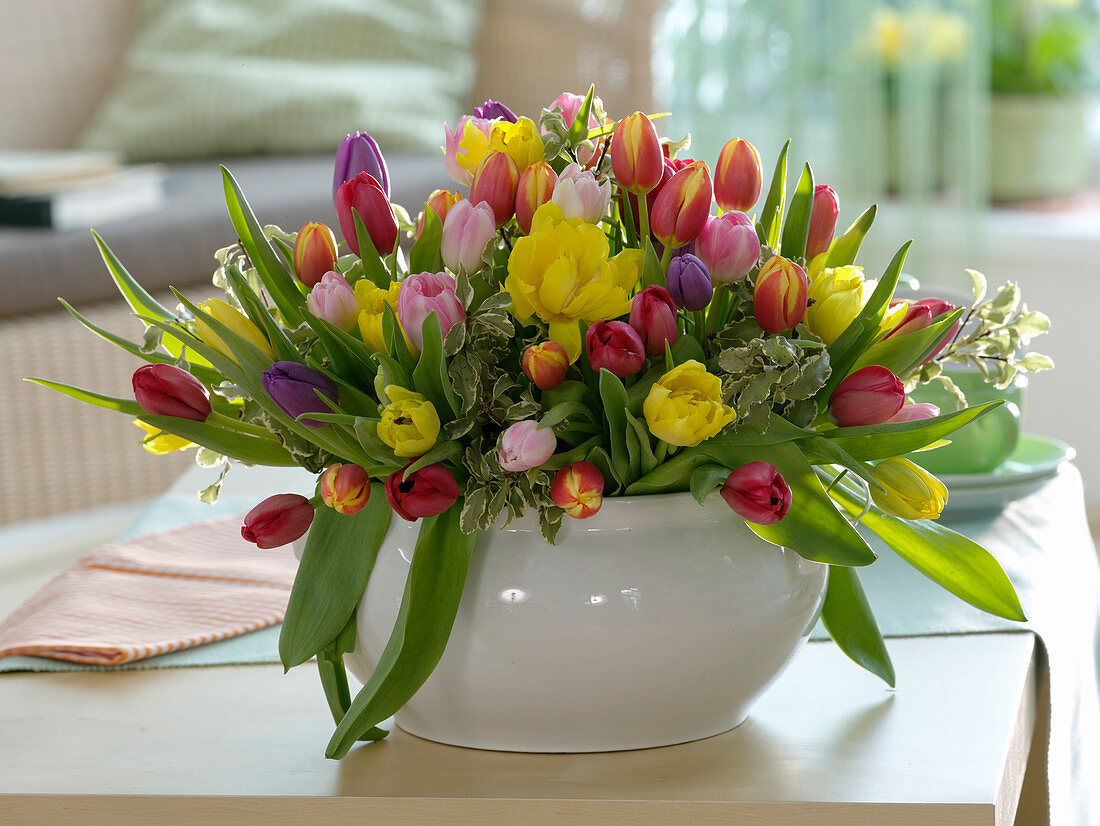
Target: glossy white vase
x=654 y=622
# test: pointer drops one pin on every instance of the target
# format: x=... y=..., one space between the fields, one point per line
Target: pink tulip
x=822 y=221
x=758 y=492
x=333 y=299
x=915 y=413
x=467 y=230
x=452 y=149
x=653 y=317
x=616 y=346
x=424 y=293
x=920 y=315
x=524 y=446
x=870 y=395
x=580 y=196
x=364 y=195
x=570 y=105
x=278 y=520
x=729 y=246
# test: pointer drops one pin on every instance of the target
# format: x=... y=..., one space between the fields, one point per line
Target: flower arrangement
x=580 y=325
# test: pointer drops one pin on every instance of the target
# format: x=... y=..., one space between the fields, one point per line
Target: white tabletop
x=244 y=744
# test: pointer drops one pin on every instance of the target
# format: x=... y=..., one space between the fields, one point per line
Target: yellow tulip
x=236 y=321
x=685 y=406
x=372 y=303
x=911 y=492
x=472 y=147
x=561 y=273
x=410 y=424
x=159 y=442
x=521 y=141
x=837 y=296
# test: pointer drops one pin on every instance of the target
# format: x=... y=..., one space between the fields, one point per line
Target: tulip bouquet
x=583 y=322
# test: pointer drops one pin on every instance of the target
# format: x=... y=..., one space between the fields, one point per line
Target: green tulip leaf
x=869 y=443
x=425 y=253
x=578 y=131
x=613 y=396
x=258 y=313
x=336 y=565
x=844 y=249
x=797 y=226
x=847 y=617
x=571 y=410
x=430 y=375
x=956 y=563
x=374 y=267
x=901 y=354
x=429 y=605
x=269 y=264
x=705 y=479
x=772 y=211
x=394 y=339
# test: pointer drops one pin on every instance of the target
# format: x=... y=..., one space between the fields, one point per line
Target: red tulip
x=681 y=209
x=780 y=296
x=278 y=520
x=439 y=202
x=616 y=346
x=495 y=182
x=653 y=317
x=758 y=492
x=737 y=176
x=167 y=390
x=545 y=364
x=535 y=188
x=870 y=395
x=314 y=253
x=578 y=489
x=823 y=216
x=365 y=195
x=426 y=492
x=636 y=156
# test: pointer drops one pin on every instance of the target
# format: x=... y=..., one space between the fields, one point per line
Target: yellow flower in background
x=521 y=141
x=236 y=321
x=911 y=492
x=887 y=34
x=918 y=35
x=685 y=406
x=561 y=273
x=410 y=424
x=372 y=303
x=159 y=442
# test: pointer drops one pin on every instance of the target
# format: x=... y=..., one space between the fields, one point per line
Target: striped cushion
x=207 y=78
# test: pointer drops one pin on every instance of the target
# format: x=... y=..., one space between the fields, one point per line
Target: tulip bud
x=294 y=387
x=737 y=176
x=467 y=231
x=870 y=395
x=822 y=221
x=493 y=109
x=579 y=196
x=616 y=346
x=278 y=520
x=689 y=282
x=570 y=106
x=524 y=446
x=409 y=423
x=578 y=489
x=167 y=390
x=495 y=182
x=423 y=293
x=345 y=488
x=758 y=492
x=359 y=153
x=921 y=314
x=914 y=413
x=545 y=364
x=439 y=202
x=653 y=317
x=780 y=296
x=681 y=209
x=729 y=246
x=426 y=492
x=236 y=321
x=333 y=299
x=535 y=188
x=910 y=491
x=314 y=252
x=636 y=156
x=364 y=194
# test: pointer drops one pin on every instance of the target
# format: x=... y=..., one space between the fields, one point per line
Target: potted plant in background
x=590 y=458
x=1039 y=73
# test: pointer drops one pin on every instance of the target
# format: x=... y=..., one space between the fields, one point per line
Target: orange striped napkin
x=157 y=593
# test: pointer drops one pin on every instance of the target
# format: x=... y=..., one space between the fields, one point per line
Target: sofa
x=57 y=455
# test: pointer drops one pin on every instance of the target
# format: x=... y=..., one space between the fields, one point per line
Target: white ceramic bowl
x=654 y=622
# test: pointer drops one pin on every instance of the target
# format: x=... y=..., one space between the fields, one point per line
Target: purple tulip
x=423 y=293
x=359 y=153
x=524 y=446
x=493 y=109
x=688 y=282
x=293 y=387
x=729 y=246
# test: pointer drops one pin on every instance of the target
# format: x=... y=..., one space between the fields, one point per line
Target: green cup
x=984 y=444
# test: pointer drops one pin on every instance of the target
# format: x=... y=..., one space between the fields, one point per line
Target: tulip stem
x=666 y=258
x=230 y=423
x=662 y=450
x=700 y=329
x=643 y=220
